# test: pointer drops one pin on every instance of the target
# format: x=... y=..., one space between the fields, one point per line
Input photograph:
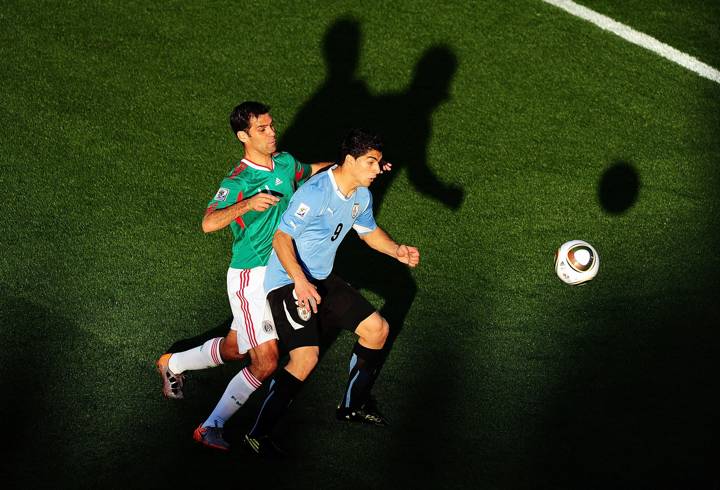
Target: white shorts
x=252 y=319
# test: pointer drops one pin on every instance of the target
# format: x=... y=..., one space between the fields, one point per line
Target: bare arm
x=305 y=291
x=381 y=241
x=316 y=167
x=217 y=219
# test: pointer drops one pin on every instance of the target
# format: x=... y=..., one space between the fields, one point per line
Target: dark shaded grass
x=114 y=138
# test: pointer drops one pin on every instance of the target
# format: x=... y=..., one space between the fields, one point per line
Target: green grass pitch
x=114 y=137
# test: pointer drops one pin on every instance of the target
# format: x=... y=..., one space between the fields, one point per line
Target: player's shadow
x=344 y=101
x=618 y=187
x=404 y=119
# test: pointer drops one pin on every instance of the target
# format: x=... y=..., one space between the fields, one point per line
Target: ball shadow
x=618 y=187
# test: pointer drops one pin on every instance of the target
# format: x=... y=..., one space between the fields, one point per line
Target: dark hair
x=240 y=116
x=358 y=142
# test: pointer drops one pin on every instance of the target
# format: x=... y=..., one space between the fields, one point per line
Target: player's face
x=366 y=167
x=261 y=134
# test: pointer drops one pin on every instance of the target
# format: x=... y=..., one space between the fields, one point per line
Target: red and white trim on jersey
x=211 y=208
x=257 y=166
x=238 y=170
x=251 y=380
x=239 y=219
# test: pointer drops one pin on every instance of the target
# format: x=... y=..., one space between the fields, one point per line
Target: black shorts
x=341 y=307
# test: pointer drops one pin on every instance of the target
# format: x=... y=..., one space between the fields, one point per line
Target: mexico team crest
x=355 y=210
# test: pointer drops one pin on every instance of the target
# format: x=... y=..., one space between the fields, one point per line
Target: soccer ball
x=576 y=262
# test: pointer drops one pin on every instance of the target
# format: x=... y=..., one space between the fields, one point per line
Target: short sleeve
x=303 y=171
x=365 y=223
x=230 y=192
x=303 y=206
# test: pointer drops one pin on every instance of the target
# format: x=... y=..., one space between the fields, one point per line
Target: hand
x=307 y=295
x=408 y=255
x=261 y=201
x=385 y=167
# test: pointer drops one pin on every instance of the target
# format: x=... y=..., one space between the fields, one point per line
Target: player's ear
x=243 y=136
x=349 y=159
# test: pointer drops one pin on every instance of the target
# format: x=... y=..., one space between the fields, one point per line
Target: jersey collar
x=257 y=166
x=335 y=186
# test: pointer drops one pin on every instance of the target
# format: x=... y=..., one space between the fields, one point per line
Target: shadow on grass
x=618 y=187
x=634 y=410
x=404 y=120
x=37 y=382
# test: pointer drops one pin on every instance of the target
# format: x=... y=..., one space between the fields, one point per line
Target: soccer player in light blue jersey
x=304 y=294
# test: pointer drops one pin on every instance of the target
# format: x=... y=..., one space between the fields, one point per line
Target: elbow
x=276 y=239
x=206 y=228
x=279 y=239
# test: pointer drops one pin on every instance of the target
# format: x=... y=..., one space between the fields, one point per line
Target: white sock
x=236 y=394
x=202 y=357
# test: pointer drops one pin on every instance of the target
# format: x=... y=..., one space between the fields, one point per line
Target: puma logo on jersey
x=331 y=211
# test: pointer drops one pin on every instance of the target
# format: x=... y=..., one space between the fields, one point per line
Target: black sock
x=283 y=389
x=363 y=364
x=376 y=372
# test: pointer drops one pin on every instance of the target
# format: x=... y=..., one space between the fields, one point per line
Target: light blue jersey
x=318 y=218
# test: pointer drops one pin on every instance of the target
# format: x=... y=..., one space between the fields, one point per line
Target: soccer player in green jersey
x=251 y=199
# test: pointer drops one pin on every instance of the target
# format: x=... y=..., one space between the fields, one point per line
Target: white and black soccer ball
x=576 y=262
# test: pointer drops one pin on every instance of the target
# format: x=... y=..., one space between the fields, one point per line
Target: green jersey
x=253 y=231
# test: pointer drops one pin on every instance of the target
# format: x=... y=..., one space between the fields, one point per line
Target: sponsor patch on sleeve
x=222 y=194
x=302 y=210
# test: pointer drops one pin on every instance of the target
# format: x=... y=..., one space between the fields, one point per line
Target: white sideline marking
x=635 y=37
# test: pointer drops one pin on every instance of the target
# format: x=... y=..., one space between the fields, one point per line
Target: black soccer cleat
x=263 y=447
x=368 y=414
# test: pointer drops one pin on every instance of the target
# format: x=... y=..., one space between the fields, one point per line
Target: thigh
x=342 y=306
x=251 y=317
x=296 y=327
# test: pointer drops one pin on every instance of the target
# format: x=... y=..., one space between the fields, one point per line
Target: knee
x=377 y=332
x=302 y=364
x=308 y=361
